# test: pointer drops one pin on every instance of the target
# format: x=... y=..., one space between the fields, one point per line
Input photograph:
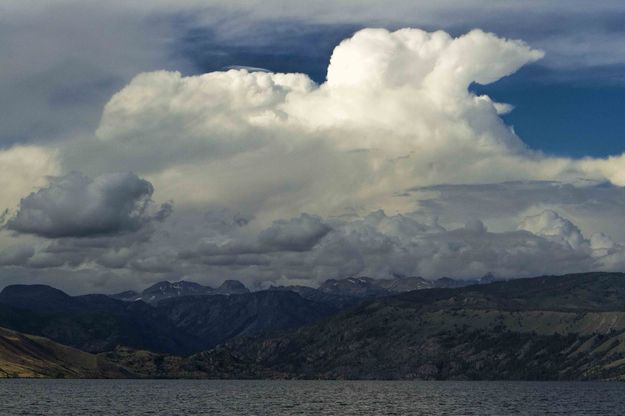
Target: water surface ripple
x=215 y=397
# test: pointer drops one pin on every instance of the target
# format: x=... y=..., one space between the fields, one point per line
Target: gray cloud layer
x=588 y=203
x=382 y=245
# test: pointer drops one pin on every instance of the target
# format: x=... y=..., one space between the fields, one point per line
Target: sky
x=291 y=142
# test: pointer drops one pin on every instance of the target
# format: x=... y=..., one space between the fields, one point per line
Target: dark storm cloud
x=48 y=260
x=297 y=234
x=77 y=206
x=239 y=260
x=15 y=256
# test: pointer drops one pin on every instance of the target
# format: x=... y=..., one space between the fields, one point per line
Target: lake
x=216 y=397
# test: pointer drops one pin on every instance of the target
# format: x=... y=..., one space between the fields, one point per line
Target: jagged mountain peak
x=166 y=290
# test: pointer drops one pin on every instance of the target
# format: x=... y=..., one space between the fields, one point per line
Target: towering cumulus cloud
x=391 y=166
x=394 y=112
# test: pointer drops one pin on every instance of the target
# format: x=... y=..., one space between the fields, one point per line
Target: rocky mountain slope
x=216 y=319
x=28 y=356
x=367 y=287
x=338 y=301
x=549 y=328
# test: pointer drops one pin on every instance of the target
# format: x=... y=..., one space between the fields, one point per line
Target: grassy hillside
x=30 y=356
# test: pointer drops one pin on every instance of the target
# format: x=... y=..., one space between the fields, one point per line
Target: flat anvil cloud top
x=274 y=178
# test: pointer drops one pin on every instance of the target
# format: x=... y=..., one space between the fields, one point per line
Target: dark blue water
x=190 y=397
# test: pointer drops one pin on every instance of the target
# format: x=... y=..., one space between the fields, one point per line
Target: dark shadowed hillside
x=91 y=323
x=215 y=319
x=175 y=325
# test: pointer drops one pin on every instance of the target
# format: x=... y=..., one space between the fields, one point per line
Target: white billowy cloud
x=395 y=113
x=304 y=180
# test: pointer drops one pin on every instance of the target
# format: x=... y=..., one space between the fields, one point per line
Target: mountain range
x=329 y=290
x=167 y=290
x=547 y=328
x=177 y=325
x=178 y=317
